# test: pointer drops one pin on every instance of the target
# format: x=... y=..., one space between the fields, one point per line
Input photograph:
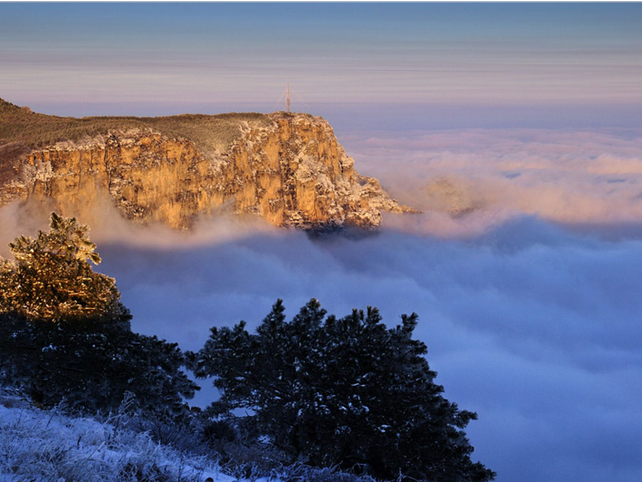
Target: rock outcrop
x=452 y=196
x=287 y=168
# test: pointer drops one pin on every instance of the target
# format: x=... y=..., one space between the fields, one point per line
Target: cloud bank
x=528 y=289
x=578 y=178
x=533 y=327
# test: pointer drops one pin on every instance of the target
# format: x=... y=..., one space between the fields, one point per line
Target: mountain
x=288 y=168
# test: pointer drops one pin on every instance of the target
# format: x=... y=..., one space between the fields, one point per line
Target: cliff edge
x=288 y=168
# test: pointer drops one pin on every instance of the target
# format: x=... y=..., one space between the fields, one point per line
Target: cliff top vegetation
x=210 y=133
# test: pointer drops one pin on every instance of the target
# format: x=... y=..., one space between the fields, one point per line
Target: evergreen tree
x=347 y=392
x=65 y=336
x=50 y=278
x=91 y=364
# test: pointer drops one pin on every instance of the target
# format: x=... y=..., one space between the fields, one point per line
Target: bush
x=340 y=392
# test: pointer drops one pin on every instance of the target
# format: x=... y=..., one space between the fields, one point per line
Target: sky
x=459 y=65
x=526 y=116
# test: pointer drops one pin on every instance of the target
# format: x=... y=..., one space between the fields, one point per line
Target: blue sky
x=567 y=63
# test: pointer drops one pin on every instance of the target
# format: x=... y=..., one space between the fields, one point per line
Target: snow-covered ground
x=38 y=446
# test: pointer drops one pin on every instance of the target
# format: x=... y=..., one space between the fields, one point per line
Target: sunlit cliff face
x=288 y=169
x=465 y=182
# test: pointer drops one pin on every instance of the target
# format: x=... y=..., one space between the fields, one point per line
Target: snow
x=39 y=446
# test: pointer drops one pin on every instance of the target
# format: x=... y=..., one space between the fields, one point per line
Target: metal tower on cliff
x=287 y=97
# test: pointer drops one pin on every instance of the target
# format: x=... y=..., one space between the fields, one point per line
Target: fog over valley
x=523 y=267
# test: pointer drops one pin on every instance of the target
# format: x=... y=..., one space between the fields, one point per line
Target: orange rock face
x=292 y=173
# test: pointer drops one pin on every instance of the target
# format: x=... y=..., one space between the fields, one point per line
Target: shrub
x=343 y=392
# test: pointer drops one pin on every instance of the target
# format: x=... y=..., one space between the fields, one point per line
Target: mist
x=523 y=267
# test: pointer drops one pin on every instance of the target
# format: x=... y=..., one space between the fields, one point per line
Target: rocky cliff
x=287 y=168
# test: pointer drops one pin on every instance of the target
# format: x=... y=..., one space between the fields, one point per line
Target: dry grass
x=210 y=133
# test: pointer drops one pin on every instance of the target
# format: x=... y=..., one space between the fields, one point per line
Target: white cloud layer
x=579 y=178
x=537 y=332
x=529 y=301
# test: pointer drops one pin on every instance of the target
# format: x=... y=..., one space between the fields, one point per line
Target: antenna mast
x=287 y=97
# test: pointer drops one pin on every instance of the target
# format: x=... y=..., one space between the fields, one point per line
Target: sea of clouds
x=528 y=297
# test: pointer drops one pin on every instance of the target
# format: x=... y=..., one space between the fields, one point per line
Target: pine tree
x=90 y=365
x=65 y=336
x=347 y=392
x=51 y=279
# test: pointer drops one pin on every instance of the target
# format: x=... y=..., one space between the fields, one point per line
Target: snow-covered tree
x=347 y=392
x=50 y=277
x=65 y=336
x=91 y=365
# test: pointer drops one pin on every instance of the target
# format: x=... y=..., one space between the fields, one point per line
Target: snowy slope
x=38 y=445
